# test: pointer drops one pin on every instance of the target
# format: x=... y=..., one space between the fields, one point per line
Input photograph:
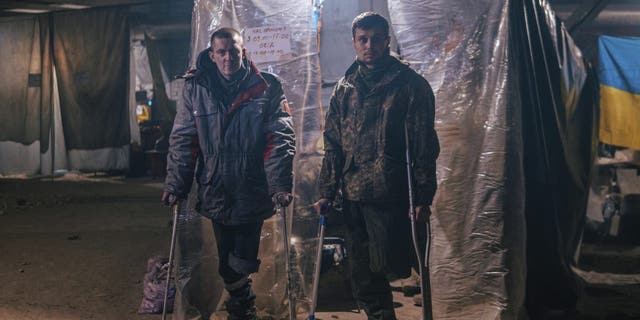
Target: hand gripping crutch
x=174 y=231
x=292 y=312
x=422 y=265
x=316 y=271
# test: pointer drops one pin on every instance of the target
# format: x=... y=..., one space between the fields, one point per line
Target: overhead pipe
x=613 y=15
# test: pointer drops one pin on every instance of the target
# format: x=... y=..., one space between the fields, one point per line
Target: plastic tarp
x=559 y=102
x=163 y=108
x=477 y=262
x=516 y=130
x=144 y=80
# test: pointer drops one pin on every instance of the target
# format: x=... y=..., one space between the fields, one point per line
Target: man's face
x=370 y=45
x=227 y=55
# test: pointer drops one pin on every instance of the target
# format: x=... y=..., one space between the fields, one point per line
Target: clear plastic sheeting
x=514 y=113
x=201 y=290
x=461 y=47
x=144 y=80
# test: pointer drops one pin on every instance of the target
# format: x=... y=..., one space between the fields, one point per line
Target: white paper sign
x=268 y=44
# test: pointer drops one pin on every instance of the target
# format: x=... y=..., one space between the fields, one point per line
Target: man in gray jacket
x=234 y=134
x=364 y=144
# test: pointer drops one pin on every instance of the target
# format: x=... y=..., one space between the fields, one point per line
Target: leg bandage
x=237 y=284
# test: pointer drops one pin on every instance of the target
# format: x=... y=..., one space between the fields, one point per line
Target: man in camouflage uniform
x=364 y=142
x=234 y=134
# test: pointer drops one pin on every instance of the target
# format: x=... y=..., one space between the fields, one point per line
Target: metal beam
x=586 y=12
x=60 y=5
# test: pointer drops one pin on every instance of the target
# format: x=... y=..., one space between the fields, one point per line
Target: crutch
x=174 y=231
x=424 y=274
x=292 y=312
x=316 y=271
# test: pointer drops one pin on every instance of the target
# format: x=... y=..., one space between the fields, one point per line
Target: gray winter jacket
x=241 y=153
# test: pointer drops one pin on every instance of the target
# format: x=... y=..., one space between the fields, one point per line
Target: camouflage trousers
x=378 y=245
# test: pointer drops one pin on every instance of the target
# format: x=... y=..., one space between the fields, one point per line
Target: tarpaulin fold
x=559 y=121
x=25 y=88
x=163 y=107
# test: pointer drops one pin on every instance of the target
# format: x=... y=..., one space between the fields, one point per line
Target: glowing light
x=32 y=11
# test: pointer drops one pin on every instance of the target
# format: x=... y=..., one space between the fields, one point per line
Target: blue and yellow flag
x=619 y=74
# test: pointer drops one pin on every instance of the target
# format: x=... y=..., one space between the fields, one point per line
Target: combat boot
x=241 y=304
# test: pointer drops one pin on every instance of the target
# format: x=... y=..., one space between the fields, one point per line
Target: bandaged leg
x=238 y=250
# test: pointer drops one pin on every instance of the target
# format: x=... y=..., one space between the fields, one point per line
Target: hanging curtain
x=25 y=91
x=91 y=54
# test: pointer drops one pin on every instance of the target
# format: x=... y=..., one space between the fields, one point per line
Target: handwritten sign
x=268 y=44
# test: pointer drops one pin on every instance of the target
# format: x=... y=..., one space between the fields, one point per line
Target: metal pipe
x=174 y=231
x=292 y=312
x=422 y=268
x=316 y=271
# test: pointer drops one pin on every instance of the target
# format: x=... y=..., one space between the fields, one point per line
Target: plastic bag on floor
x=154 y=285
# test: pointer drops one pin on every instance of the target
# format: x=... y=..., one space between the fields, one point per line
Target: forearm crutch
x=174 y=231
x=292 y=312
x=422 y=265
x=316 y=271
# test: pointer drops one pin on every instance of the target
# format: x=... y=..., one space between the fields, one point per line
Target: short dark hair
x=226 y=33
x=369 y=20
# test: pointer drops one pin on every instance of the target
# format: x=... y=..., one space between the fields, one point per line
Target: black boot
x=241 y=303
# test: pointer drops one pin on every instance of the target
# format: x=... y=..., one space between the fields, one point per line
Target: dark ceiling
x=584 y=13
x=159 y=18
x=621 y=17
x=585 y=19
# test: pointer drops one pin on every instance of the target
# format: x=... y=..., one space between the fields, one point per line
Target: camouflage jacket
x=364 y=140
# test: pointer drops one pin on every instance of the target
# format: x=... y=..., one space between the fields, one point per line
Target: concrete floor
x=405 y=309
x=77 y=249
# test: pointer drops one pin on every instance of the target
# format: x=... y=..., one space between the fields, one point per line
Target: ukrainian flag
x=619 y=74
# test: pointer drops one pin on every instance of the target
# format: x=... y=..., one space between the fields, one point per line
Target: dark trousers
x=238 y=258
x=237 y=249
x=378 y=243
